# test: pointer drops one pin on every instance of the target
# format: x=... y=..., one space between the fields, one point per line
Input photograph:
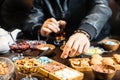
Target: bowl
x=27 y=65
x=8 y=68
x=94 y=51
x=44 y=47
x=111 y=44
x=103 y=72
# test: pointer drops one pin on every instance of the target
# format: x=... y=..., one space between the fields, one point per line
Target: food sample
x=96 y=56
x=67 y=74
x=81 y=62
x=19 y=47
x=3 y=68
x=52 y=67
x=117 y=58
x=45 y=47
x=103 y=68
x=94 y=50
x=33 y=44
x=24 y=45
x=96 y=59
x=27 y=65
x=108 y=61
x=44 y=60
x=111 y=43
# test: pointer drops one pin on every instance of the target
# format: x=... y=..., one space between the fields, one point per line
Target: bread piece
x=97 y=56
x=80 y=64
x=117 y=58
x=108 y=61
x=96 y=59
x=84 y=63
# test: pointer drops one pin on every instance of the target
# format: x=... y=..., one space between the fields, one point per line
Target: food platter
x=49 y=68
x=77 y=63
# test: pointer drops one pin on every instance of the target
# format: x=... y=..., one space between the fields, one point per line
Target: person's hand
x=52 y=25
x=49 y=26
x=78 y=43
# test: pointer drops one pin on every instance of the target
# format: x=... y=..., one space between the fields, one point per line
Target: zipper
x=64 y=9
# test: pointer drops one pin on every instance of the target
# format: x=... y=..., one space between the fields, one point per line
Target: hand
x=52 y=25
x=49 y=26
x=78 y=43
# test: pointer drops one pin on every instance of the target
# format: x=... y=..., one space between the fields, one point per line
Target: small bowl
x=44 y=47
x=103 y=72
x=10 y=66
x=111 y=44
x=61 y=47
x=27 y=65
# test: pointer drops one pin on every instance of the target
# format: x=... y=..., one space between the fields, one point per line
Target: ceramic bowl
x=10 y=68
x=44 y=47
x=103 y=72
x=111 y=44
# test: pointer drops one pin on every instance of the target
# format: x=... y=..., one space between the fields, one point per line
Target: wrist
x=84 y=32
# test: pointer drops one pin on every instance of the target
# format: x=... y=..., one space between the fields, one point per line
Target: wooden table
x=88 y=75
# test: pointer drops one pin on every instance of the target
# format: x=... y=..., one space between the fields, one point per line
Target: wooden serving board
x=89 y=67
x=60 y=71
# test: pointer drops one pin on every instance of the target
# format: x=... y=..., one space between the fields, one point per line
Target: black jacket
x=89 y=15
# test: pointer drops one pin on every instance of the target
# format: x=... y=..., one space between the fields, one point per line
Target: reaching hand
x=78 y=43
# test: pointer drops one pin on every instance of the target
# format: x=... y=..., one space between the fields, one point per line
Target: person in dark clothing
x=86 y=20
x=14 y=13
x=117 y=1
x=115 y=18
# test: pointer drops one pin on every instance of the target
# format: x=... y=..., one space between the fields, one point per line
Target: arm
x=97 y=17
x=34 y=21
x=92 y=24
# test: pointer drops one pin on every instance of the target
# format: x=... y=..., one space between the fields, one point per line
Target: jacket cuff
x=89 y=29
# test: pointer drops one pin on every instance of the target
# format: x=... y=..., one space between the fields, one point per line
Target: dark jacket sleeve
x=96 y=19
x=22 y=13
x=34 y=21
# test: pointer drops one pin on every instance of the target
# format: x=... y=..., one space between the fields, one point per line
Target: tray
x=60 y=71
x=88 y=67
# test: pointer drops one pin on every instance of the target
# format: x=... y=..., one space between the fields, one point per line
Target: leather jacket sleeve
x=22 y=14
x=97 y=18
x=92 y=23
x=34 y=21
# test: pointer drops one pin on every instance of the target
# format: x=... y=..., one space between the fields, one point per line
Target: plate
x=95 y=50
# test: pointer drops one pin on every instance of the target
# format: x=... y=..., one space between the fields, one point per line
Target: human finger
x=53 y=27
x=54 y=22
x=87 y=45
x=80 y=49
x=67 y=48
x=74 y=48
